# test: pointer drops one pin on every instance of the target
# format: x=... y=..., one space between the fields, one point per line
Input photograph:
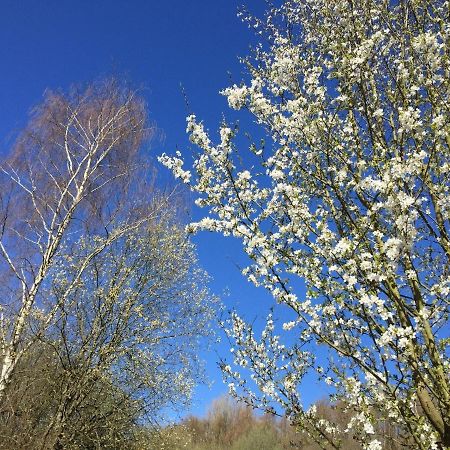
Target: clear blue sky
x=160 y=44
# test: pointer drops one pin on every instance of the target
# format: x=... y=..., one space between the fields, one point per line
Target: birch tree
x=73 y=149
x=348 y=192
x=96 y=271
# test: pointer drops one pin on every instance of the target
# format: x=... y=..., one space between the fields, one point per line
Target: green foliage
x=259 y=438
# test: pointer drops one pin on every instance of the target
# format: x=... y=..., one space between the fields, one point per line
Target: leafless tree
x=97 y=270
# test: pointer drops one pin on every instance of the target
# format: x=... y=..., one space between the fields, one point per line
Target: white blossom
x=344 y=215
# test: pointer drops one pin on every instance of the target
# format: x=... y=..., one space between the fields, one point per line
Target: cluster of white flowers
x=409 y=119
x=176 y=165
x=236 y=95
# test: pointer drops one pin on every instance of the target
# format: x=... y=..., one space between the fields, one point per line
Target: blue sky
x=160 y=45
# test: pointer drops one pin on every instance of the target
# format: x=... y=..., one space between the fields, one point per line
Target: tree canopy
x=350 y=193
x=103 y=303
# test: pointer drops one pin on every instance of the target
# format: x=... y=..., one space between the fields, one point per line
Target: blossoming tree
x=351 y=194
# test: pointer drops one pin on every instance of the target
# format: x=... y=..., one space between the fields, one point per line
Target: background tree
x=232 y=425
x=98 y=272
x=351 y=194
x=235 y=426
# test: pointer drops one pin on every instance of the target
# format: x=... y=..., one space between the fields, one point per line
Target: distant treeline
x=234 y=426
